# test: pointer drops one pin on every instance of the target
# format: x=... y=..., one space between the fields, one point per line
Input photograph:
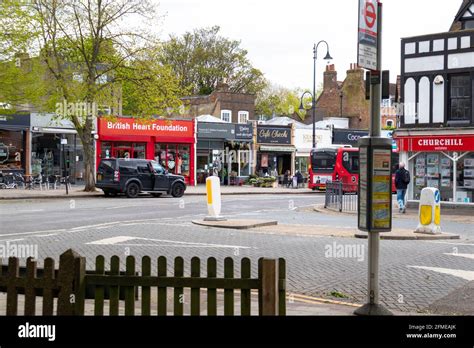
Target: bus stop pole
x=375 y=131
x=373 y=307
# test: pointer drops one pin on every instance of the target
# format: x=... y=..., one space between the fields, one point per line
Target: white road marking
x=158 y=224
x=13 y=240
x=112 y=241
x=467 y=275
x=121 y=239
x=468 y=256
x=27 y=233
x=46 y=235
x=452 y=243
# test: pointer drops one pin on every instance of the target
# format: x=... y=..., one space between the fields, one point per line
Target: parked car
x=133 y=176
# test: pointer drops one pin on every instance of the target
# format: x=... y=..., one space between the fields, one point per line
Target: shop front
x=276 y=152
x=444 y=161
x=15 y=140
x=170 y=142
x=226 y=148
x=55 y=148
x=304 y=144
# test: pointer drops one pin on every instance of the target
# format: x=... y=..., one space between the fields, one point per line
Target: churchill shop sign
x=274 y=135
x=457 y=143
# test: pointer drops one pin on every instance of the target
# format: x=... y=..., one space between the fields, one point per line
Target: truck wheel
x=177 y=190
x=133 y=190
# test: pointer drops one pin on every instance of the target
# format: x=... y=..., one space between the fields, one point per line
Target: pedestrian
x=287 y=179
x=402 y=180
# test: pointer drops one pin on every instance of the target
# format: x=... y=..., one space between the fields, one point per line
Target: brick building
x=343 y=99
x=347 y=99
x=222 y=103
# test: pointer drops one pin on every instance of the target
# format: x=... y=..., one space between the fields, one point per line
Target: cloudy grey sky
x=279 y=34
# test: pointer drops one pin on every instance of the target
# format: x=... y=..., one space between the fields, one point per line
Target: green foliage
x=262 y=181
x=277 y=100
x=83 y=54
x=203 y=58
x=338 y=294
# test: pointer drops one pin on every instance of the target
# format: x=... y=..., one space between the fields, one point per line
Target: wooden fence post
x=12 y=293
x=269 y=279
x=67 y=277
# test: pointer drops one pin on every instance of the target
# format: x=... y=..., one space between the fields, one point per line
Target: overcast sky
x=279 y=34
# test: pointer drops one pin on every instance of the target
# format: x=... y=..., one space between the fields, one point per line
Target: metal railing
x=341 y=196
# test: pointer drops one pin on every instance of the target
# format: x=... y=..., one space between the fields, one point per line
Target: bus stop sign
x=368 y=34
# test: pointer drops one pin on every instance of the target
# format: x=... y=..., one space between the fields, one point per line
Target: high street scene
x=193 y=158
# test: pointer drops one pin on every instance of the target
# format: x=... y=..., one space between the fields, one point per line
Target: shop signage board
x=368 y=34
x=135 y=127
x=274 y=135
x=348 y=136
x=15 y=121
x=244 y=132
x=375 y=190
x=454 y=143
x=216 y=130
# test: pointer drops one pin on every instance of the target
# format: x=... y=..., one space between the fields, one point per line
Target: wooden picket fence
x=71 y=283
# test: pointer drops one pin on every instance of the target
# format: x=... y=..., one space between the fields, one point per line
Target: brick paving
x=161 y=228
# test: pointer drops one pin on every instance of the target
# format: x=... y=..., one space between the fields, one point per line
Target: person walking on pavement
x=402 y=180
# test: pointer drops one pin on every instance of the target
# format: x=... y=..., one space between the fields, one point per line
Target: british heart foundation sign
x=130 y=126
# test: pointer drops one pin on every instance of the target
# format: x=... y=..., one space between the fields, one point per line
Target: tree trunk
x=89 y=177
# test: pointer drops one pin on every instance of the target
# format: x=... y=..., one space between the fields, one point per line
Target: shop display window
x=11 y=150
x=174 y=157
x=436 y=170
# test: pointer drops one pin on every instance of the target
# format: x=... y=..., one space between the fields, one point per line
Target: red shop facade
x=440 y=159
x=172 y=143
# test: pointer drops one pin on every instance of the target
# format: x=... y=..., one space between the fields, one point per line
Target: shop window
x=174 y=158
x=243 y=117
x=139 y=151
x=226 y=116
x=105 y=150
x=11 y=150
x=466 y=179
x=433 y=169
x=460 y=98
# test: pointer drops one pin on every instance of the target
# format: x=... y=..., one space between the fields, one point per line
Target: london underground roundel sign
x=368 y=34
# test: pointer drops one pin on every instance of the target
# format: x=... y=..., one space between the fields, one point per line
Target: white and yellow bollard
x=430 y=211
x=214 y=203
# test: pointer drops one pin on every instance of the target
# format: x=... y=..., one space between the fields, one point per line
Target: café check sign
x=274 y=135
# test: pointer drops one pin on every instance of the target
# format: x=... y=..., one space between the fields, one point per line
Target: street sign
x=368 y=34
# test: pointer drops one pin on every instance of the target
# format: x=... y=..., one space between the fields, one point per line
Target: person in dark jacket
x=402 y=180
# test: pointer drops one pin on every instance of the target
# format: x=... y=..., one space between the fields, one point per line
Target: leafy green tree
x=203 y=58
x=84 y=52
x=280 y=101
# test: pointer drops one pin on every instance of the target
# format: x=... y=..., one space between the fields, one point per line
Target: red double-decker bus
x=339 y=164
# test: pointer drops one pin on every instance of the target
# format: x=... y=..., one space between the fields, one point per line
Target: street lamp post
x=313 y=95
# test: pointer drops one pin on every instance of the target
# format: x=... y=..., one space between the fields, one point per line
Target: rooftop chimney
x=330 y=78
